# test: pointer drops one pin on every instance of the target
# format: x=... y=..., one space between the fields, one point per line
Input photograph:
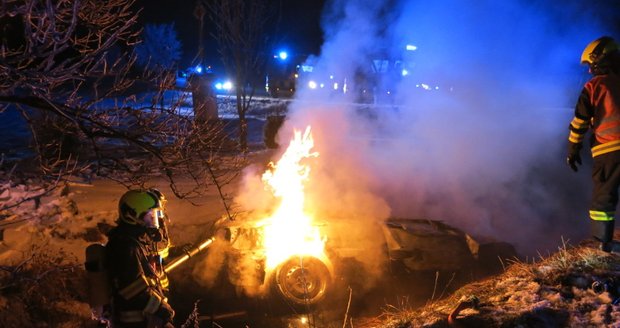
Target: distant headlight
x=312 y=85
x=223 y=86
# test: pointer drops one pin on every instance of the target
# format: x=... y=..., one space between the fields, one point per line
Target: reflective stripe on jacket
x=598 y=107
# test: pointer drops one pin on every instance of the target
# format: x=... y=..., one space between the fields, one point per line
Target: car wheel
x=302 y=280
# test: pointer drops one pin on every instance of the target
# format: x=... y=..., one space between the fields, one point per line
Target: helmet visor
x=152 y=217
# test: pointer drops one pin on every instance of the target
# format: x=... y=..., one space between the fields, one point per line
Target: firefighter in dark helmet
x=134 y=263
x=598 y=108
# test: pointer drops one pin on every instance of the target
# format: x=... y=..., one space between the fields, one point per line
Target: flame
x=290 y=231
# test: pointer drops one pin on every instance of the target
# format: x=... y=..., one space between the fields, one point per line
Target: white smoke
x=485 y=150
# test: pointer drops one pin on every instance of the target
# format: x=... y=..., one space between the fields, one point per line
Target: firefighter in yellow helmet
x=138 y=294
x=598 y=109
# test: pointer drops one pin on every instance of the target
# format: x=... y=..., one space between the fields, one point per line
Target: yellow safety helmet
x=160 y=196
x=143 y=208
x=598 y=50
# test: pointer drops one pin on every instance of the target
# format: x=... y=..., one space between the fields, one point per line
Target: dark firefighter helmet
x=597 y=52
x=144 y=208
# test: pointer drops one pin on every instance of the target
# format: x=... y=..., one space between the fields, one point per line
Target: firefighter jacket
x=136 y=287
x=598 y=107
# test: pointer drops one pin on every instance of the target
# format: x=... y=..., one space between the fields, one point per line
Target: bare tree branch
x=67 y=66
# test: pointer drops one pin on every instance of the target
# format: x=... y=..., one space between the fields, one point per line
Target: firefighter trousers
x=606 y=181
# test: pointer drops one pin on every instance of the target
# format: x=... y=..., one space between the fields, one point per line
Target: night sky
x=299 y=29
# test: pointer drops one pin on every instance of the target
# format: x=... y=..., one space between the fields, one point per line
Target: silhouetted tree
x=160 y=47
x=243 y=44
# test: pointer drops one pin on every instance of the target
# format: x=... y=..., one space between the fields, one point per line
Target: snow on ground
x=15 y=134
x=85 y=212
x=555 y=291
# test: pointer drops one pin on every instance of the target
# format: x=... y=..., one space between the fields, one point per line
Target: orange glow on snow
x=290 y=231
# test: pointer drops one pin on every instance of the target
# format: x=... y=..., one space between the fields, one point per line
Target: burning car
x=409 y=246
x=290 y=253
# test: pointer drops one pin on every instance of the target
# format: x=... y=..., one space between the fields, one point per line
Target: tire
x=302 y=281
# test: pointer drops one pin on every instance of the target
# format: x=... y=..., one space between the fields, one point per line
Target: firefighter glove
x=573 y=157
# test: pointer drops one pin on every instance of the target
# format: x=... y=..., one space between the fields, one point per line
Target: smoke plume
x=474 y=131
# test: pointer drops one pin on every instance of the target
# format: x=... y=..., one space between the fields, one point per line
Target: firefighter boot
x=603 y=231
x=611 y=246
